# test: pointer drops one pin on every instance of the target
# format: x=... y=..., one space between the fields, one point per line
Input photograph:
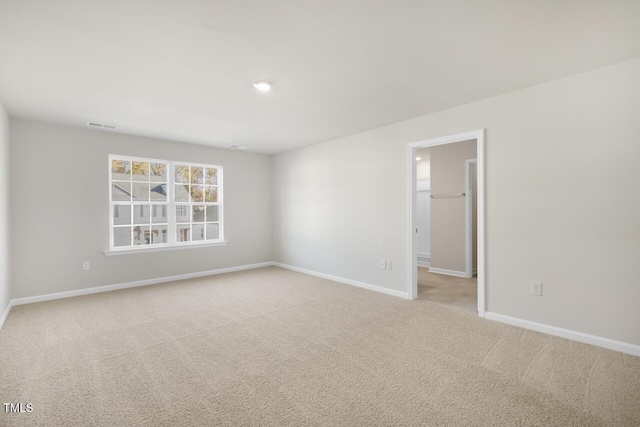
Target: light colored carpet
x=272 y=347
x=454 y=291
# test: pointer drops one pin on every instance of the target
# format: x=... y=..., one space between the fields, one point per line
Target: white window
x=163 y=203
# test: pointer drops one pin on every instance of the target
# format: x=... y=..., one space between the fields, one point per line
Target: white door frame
x=468 y=216
x=412 y=264
x=424 y=184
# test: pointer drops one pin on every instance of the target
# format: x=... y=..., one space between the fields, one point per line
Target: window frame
x=171 y=205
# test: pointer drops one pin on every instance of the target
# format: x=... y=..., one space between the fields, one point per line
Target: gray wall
x=447 y=227
x=561 y=202
x=5 y=284
x=59 y=209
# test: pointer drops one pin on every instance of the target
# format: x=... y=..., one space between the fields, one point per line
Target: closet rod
x=443 y=196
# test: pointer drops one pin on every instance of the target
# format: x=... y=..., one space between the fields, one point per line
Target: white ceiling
x=183 y=69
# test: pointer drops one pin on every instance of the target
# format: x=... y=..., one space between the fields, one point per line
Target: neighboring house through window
x=161 y=202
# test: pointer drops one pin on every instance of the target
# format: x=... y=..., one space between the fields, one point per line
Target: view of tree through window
x=157 y=202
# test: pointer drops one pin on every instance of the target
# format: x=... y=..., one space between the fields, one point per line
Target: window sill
x=145 y=249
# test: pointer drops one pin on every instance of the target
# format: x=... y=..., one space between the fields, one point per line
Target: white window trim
x=172 y=244
x=161 y=248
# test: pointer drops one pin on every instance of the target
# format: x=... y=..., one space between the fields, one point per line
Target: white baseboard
x=345 y=281
x=620 y=346
x=5 y=314
x=424 y=259
x=108 y=288
x=610 y=344
x=448 y=272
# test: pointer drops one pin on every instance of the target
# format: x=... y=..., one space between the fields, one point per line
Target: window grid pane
x=141 y=202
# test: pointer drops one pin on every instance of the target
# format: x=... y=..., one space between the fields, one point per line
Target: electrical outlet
x=536 y=289
x=389 y=265
x=383 y=264
x=86 y=266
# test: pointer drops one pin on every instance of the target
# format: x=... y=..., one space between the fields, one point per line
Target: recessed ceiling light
x=418 y=158
x=262 y=86
x=238 y=147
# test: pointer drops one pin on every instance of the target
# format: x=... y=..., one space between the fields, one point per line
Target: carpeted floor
x=271 y=347
x=453 y=291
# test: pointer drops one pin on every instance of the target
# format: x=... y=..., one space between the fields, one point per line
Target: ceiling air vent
x=238 y=147
x=101 y=126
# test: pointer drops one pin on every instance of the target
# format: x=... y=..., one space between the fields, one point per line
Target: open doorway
x=446 y=224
